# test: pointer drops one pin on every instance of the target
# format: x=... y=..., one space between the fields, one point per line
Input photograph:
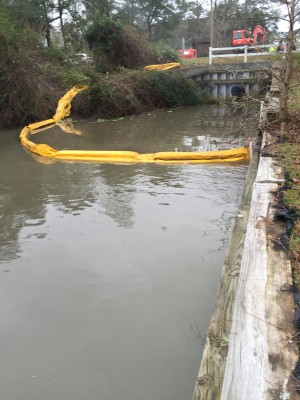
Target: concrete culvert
x=237 y=92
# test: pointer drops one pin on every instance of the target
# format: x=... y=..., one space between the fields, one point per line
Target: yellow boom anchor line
x=64 y=109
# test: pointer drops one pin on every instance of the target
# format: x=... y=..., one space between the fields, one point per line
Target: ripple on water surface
x=113 y=269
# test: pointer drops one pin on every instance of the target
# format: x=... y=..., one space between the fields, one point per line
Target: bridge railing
x=245 y=51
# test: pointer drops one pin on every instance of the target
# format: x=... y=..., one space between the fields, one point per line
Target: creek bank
x=251 y=337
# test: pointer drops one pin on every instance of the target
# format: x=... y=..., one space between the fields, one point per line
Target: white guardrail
x=248 y=51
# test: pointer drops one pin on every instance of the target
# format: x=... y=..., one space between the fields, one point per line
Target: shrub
x=30 y=85
x=116 y=46
x=172 y=89
x=133 y=92
x=165 y=53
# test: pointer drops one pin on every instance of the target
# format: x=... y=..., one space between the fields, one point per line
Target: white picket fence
x=246 y=51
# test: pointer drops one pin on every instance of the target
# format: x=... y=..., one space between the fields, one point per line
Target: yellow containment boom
x=163 y=67
x=63 y=110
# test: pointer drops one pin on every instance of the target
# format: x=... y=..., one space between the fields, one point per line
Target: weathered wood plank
x=247 y=356
x=210 y=377
x=248 y=352
x=260 y=358
x=269 y=171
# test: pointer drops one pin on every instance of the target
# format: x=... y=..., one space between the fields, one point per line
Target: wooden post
x=245 y=54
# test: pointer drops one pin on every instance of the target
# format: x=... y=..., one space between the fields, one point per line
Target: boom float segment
x=63 y=110
x=163 y=67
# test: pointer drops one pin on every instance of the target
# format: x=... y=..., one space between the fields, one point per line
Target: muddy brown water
x=109 y=272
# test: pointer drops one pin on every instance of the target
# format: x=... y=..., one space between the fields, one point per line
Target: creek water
x=109 y=272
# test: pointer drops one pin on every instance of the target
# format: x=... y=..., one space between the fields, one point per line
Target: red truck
x=243 y=37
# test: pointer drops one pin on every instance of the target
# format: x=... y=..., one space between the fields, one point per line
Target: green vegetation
x=115 y=45
x=133 y=92
x=294 y=100
x=290 y=150
x=291 y=154
x=34 y=77
x=190 y=62
x=30 y=80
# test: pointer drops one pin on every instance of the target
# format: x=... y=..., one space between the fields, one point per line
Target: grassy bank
x=290 y=151
x=238 y=59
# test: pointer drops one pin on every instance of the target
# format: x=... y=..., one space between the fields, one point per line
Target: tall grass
x=294 y=95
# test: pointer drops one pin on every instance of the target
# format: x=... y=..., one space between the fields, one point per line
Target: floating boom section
x=163 y=67
x=63 y=110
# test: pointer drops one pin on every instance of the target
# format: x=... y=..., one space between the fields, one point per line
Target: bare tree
x=292 y=14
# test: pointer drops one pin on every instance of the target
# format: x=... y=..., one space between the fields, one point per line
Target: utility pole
x=211 y=24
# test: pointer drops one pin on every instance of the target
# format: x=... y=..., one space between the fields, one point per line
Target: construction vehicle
x=188 y=53
x=243 y=37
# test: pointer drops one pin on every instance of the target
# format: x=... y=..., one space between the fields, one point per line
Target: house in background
x=193 y=33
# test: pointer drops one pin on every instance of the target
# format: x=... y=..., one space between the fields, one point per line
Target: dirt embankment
x=286 y=146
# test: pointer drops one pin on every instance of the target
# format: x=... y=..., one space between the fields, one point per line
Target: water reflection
x=110 y=189
x=186 y=129
x=73 y=188
x=19 y=193
x=108 y=266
